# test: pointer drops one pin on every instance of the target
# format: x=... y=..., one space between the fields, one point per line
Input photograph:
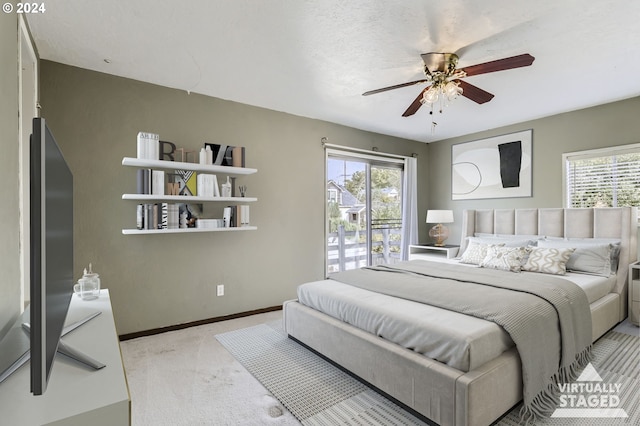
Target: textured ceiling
x=316 y=58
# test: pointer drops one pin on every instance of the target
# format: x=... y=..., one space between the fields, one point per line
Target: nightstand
x=634 y=292
x=432 y=252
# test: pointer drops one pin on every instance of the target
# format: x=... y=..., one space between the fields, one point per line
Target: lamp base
x=439 y=233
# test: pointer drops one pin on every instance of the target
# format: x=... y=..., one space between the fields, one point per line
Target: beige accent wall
x=9 y=161
x=597 y=127
x=162 y=280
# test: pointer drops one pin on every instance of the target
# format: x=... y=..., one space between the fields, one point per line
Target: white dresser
x=75 y=394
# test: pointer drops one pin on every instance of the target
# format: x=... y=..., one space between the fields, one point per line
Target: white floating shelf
x=185 y=231
x=186 y=198
x=179 y=165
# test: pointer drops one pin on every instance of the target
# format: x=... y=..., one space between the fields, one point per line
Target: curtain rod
x=373 y=151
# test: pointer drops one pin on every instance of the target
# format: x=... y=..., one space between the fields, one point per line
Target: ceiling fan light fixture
x=430 y=96
x=452 y=90
x=441 y=90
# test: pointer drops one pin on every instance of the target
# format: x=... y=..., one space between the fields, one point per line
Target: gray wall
x=161 y=280
x=9 y=160
x=601 y=126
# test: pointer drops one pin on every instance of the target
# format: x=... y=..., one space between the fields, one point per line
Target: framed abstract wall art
x=496 y=167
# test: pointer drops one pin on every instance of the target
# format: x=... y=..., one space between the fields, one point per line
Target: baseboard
x=154 y=331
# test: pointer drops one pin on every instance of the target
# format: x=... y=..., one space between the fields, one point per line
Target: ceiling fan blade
x=474 y=93
x=415 y=106
x=519 y=61
x=397 y=86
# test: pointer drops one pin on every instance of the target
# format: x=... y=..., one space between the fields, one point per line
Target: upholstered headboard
x=619 y=223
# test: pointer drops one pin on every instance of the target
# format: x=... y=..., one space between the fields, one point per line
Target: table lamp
x=439 y=233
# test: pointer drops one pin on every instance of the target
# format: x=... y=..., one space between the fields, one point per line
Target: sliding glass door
x=364 y=210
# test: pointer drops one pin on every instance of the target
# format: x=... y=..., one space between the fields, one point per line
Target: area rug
x=319 y=393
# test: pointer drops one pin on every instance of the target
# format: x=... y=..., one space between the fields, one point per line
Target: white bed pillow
x=475 y=252
x=504 y=258
x=510 y=236
x=588 y=257
x=506 y=240
x=547 y=260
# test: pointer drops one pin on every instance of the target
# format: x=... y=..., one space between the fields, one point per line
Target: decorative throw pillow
x=504 y=258
x=598 y=262
x=547 y=260
x=475 y=253
x=588 y=258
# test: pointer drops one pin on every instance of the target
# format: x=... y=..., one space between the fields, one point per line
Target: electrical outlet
x=220 y=290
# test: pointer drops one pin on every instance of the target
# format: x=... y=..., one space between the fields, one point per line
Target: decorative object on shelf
x=226 y=155
x=183 y=155
x=187 y=182
x=243 y=190
x=88 y=287
x=148 y=146
x=497 y=167
x=208 y=155
x=226 y=188
x=167 y=154
x=439 y=233
x=193 y=211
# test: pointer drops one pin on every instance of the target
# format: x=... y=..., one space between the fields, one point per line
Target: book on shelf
x=226 y=215
x=150 y=182
x=170 y=216
x=148 y=145
x=157 y=182
x=237 y=216
x=207 y=185
x=157 y=216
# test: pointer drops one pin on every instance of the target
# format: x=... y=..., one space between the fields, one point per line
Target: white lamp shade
x=439 y=216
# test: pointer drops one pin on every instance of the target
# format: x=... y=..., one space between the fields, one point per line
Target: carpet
x=318 y=393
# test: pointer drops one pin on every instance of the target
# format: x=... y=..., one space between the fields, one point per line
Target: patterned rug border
x=318 y=393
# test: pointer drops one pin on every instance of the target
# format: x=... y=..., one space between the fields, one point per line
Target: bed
x=463 y=370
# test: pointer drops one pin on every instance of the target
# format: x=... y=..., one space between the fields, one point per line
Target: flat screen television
x=36 y=333
x=51 y=241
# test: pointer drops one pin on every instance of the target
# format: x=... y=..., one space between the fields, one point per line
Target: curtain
x=409 y=207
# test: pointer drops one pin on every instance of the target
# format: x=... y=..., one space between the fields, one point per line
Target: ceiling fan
x=445 y=79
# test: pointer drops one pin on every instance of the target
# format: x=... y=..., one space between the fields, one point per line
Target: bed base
x=440 y=393
x=436 y=391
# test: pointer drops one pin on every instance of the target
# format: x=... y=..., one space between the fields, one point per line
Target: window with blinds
x=607 y=177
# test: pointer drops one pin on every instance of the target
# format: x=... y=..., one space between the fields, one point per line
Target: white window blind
x=607 y=177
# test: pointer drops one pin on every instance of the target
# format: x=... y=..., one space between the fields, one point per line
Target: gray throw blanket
x=548 y=318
